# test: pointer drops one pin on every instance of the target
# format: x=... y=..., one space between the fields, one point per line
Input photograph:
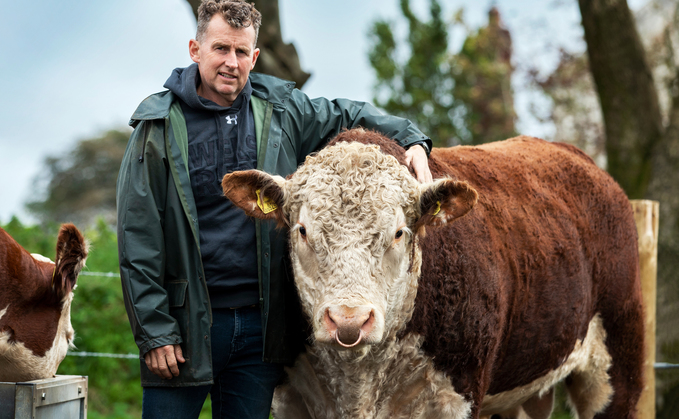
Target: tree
x=463 y=98
x=81 y=185
x=483 y=74
x=421 y=88
x=276 y=57
x=629 y=100
x=575 y=110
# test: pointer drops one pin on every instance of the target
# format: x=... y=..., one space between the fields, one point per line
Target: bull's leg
x=625 y=343
x=588 y=385
x=288 y=403
x=534 y=408
x=609 y=385
x=539 y=407
x=589 y=392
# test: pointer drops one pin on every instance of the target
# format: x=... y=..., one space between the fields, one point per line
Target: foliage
x=421 y=88
x=35 y=239
x=80 y=185
x=455 y=98
x=483 y=73
x=575 y=110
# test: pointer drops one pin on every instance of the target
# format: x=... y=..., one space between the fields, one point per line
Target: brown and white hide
x=35 y=305
x=468 y=297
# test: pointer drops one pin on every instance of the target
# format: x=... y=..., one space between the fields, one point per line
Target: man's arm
x=319 y=120
x=140 y=196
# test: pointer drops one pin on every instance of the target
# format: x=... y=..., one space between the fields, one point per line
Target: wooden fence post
x=646 y=218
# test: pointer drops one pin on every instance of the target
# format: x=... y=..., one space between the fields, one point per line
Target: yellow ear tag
x=267 y=206
x=438 y=208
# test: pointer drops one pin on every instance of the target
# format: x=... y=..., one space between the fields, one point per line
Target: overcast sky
x=73 y=69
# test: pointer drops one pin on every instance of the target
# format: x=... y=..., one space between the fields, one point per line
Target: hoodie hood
x=183 y=83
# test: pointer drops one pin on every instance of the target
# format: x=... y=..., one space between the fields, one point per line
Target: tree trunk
x=628 y=98
x=276 y=57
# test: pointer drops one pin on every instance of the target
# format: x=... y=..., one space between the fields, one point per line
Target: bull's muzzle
x=349 y=325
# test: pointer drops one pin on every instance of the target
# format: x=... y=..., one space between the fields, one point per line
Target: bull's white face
x=352 y=213
x=350 y=242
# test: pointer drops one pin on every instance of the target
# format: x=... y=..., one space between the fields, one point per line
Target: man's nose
x=230 y=60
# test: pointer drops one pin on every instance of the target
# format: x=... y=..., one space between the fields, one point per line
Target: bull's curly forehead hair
x=237 y=13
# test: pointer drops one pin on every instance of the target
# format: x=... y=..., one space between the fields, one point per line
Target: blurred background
x=605 y=79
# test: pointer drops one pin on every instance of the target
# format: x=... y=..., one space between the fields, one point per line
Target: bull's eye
x=302 y=231
x=399 y=234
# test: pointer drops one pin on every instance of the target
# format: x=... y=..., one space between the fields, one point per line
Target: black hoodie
x=221 y=140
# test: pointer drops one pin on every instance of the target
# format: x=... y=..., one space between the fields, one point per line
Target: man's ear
x=194 y=47
x=257 y=193
x=443 y=201
x=255 y=54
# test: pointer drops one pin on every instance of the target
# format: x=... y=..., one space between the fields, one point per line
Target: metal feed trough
x=63 y=396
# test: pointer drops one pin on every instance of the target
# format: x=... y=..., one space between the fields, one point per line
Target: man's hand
x=416 y=158
x=162 y=361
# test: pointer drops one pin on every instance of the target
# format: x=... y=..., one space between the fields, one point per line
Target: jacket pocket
x=176 y=293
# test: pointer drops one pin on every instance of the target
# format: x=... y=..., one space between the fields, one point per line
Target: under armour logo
x=230 y=119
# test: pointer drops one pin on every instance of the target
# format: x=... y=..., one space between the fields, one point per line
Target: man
x=207 y=291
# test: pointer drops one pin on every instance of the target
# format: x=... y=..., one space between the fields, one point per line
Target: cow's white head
x=354 y=216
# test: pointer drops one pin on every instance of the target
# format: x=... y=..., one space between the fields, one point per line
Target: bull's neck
x=362 y=382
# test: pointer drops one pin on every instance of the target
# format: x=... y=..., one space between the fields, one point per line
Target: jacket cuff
x=157 y=343
x=425 y=143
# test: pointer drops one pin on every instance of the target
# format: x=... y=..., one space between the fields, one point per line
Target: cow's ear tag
x=266 y=204
x=438 y=208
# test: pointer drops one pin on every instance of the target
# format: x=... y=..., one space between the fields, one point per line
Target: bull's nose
x=349 y=325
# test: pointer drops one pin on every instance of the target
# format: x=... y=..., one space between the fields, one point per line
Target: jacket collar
x=156 y=106
x=271 y=89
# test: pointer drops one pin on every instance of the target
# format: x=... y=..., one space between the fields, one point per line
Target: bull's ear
x=444 y=201
x=257 y=193
x=72 y=249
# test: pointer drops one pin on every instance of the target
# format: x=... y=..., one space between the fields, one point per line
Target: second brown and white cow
x=35 y=305
x=470 y=296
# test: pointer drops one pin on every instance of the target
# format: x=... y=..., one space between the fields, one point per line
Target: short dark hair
x=237 y=13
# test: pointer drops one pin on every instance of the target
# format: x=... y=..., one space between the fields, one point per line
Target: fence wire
x=103 y=355
x=106 y=274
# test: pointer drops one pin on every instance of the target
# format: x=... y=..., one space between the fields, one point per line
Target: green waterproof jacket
x=161 y=271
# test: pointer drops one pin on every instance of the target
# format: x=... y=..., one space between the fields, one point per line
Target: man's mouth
x=227 y=76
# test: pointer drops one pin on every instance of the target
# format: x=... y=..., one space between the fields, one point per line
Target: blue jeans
x=243 y=383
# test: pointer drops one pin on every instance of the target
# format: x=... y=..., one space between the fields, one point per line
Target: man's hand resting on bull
x=416 y=158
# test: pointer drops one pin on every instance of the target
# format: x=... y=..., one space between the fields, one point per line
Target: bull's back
x=515 y=283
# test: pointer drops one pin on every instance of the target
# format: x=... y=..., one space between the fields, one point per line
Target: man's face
x=225 y=57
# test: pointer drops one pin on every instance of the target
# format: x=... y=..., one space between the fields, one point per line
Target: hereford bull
x=470 y=296
x=35 y=305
